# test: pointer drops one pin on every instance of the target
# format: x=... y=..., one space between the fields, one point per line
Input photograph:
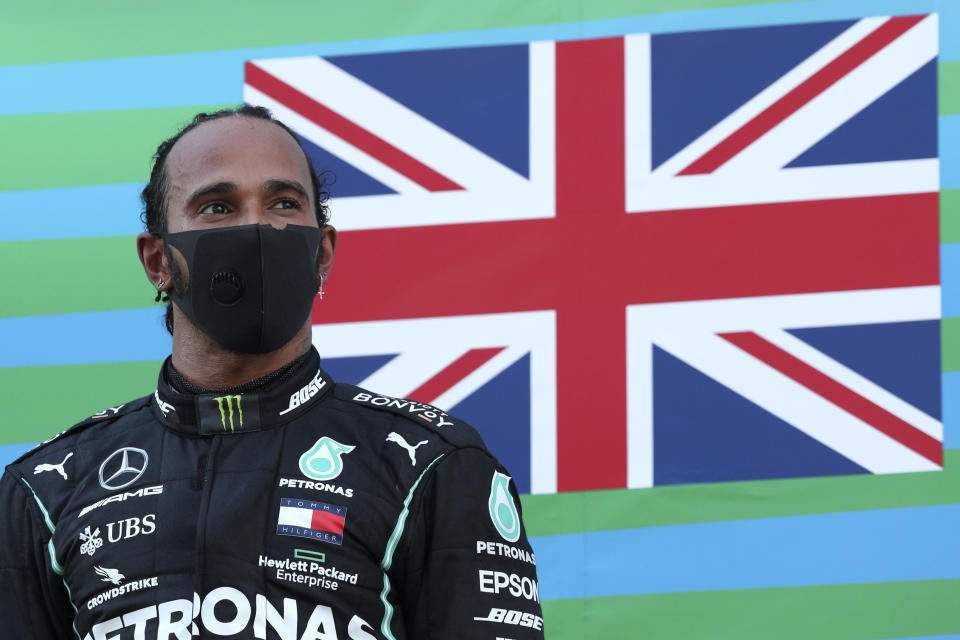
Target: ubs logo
x=122 y=468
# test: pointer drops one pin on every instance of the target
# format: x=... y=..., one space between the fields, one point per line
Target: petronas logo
x=322 y=460
x=503 y=510
x=230 y=418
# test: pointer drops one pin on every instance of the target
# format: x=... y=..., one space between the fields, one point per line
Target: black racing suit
x=309 y=510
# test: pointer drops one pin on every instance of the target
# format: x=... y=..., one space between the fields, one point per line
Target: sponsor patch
x=308 y=391
x=297 y=483
x=228 y=612
x=426 y=412
x=506 y=551
x=120 y=497
x=111 y=411
x=323 y=460
x=117 y=578
x=510 y=616
x=124 y=529
x=516 y=585
x=503 y=510
x=311 y=519
x=122 y=468
x=401 y=442
x=308 y=568
x=46 y=466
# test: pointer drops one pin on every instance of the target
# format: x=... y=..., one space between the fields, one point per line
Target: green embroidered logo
x=225 y=404
x=322 y=460
x=503 y=510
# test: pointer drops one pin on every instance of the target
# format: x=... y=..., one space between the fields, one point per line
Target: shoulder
x=410 y=416
x=69 y=437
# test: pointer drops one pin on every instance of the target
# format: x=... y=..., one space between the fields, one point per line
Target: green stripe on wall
x=33 y=32
x=682 y=504
x=37 y=270
x=91 y=147
x=949 y=84
x=950 y=343
x=41 y=401
x=837 y=612
x=950 y=215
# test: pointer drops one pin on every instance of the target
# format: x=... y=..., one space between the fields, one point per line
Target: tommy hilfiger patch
x=311 y=519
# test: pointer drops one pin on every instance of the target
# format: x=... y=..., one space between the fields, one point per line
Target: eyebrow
x=216 y=188
x=275 y=186
x=269 y=187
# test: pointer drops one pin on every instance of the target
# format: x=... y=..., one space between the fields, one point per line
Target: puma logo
x=40 y=468
x=395 y=437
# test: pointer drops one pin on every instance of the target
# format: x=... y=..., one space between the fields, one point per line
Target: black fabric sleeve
x=468 y=570
x=33 y=599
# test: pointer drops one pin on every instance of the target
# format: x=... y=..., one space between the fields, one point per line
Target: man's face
x=235 y=171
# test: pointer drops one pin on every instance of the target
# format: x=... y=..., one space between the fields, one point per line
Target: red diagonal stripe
x=453 y=373
x=802 y=94
x=840 y=395
x=348 y=131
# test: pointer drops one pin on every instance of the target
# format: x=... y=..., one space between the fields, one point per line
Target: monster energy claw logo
x=322 y=460
x=227 y=413
x=503 y=510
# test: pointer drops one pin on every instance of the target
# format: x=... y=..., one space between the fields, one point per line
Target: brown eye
x=214 y=208
x=286 y=203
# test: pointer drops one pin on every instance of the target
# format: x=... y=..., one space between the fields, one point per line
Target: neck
x=206 y=364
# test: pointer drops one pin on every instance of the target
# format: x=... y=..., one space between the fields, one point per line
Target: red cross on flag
x=642 y=260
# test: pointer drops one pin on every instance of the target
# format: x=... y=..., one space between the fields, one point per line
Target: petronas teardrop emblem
x=503 y=510
x=322 y=460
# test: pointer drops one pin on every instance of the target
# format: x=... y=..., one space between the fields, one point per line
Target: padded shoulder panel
x=107 y=415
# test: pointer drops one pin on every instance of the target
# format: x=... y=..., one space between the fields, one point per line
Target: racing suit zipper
x=206 y=465
x=199 y=481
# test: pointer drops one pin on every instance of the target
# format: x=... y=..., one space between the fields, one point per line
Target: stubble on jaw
x=177 y=277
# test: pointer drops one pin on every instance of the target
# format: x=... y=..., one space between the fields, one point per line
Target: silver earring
x=160 y=284
x=320 y=288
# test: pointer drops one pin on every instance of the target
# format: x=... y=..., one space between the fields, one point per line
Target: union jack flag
x=650 y=259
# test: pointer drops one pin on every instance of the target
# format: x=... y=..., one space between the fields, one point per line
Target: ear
x=328 y=244
x=154 y=261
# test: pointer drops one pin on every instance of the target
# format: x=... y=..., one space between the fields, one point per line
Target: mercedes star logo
x=122 y=468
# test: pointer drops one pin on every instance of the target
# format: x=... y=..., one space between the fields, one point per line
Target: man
x=251 y=496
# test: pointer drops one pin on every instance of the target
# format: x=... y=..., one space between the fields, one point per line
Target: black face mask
x=251 y=286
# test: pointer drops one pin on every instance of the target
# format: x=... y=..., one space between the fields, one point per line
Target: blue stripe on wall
x=74 y=212
x=217 y=76
x=79 y=338
x=948 y=133
x=950 y=279
x=890 y=545
x=10 y=452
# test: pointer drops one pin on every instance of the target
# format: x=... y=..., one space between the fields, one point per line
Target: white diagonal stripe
x=854 y=381
x=391 y=121
x=440 y=341
x=478 y=377
x=794 y=184
x=795 y=404
x=781 y=87
x=687 y=329
x=841 y=101
x=335 y=145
